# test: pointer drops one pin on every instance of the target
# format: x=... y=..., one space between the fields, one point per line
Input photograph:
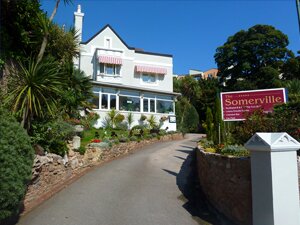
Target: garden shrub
x=235 y=150
x=206 y=143
x=81 y=150
x=16 y=159
x=123 y=139
x=137 y=130
x=285 y=118
x=89 y=120
x=133 y=138
x=52 y=135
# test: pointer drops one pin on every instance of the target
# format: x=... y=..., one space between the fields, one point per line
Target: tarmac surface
x=149 y=187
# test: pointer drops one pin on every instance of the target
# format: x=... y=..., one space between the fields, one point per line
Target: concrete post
x=76 y=142
x=274 y=172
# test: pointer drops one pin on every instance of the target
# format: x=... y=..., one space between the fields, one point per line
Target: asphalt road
x=144 y=188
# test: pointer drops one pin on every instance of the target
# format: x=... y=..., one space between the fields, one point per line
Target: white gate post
x=274 y=173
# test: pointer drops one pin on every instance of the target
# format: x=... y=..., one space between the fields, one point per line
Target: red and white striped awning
x=149 y=69
x=110 y=60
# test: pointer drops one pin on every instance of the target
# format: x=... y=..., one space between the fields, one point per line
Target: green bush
x=133 y=138
x=206 y=143
x=123 y=139
x=81 y=150
x=285 y=118
x=52 y=135
x=235 y=150
x=16 y=159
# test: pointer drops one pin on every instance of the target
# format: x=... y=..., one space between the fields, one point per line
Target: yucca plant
x=152 y=122
x=34 y=90
x=129 y=119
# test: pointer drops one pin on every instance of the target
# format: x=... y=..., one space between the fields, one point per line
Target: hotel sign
x=235 y=104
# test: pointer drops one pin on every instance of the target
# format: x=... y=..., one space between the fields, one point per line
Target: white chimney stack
x=78 y=20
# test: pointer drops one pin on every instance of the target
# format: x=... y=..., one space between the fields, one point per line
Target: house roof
x=135 y=88
x=131 y=48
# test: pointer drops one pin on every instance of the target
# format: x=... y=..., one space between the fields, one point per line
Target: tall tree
x=241 y=59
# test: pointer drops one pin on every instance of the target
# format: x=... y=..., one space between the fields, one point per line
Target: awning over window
x=148 y=69
x=110 y=60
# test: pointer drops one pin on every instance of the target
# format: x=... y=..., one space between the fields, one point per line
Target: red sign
x=235 y=104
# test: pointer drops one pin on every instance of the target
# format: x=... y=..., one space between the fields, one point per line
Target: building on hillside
x=198 y=74
x=211 y=73
x=125 y=78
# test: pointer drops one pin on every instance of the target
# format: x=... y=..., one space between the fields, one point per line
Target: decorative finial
x=79 y=8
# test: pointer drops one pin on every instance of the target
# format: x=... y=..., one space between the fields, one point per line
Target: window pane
x=132 y=93
x=164 y=106
x=109 y=69
x=109 y=90
x=129 y=103
x=152 y=78
x=104 y=99
x=118 y=68
x=113 y=101
x=145 y=77
x=95 y=101
x=101 y=67
x=164 y=97
x=148 y=78
x=145 y=109
x=96 y=89
x=152 y=105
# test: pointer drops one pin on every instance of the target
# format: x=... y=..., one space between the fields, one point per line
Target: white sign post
x=274 y=172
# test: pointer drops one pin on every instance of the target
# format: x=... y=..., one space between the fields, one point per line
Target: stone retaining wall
x=226 y=182
x=52 y=172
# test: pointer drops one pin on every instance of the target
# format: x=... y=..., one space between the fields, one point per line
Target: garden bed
x=51 y=174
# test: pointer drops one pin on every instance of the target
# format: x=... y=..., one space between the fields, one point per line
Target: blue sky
x=189 y=30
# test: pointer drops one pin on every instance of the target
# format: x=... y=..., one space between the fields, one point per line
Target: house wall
x=89 y=62
x=136 y=119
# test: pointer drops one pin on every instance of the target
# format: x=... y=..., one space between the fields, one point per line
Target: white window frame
x=148 y=103
x=106 y=74
x=108 y=45
x=166 y=100
x=133 y=96
x=155 y=83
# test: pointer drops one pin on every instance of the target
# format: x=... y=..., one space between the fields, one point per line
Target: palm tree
x=45 y=24
x=34 y=90
x=78 y=91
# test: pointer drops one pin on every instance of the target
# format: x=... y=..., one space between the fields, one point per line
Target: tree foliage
x=16 y=158
x=34 y=90
x=249 y=58
x=187 y=116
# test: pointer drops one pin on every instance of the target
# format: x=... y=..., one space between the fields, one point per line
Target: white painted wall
x=89 y=61
x=136 y=117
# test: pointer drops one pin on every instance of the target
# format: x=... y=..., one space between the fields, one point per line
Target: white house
x=126 y=78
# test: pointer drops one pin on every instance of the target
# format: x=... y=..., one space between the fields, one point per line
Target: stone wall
x=51 y=173
x=226 y=182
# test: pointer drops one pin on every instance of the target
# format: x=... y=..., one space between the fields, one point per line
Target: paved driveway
x=140 y=189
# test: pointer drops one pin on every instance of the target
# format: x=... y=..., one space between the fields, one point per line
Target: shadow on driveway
x=194 y=200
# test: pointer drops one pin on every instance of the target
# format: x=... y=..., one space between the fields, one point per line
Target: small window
x=110 y=69
x=149 y=78
x=107 y=43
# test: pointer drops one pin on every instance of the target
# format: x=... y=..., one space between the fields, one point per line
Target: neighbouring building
x=125 y=78
x=211 y=73
x=198 y=74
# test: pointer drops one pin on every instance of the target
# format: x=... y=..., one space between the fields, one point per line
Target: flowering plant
x=96 y=141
